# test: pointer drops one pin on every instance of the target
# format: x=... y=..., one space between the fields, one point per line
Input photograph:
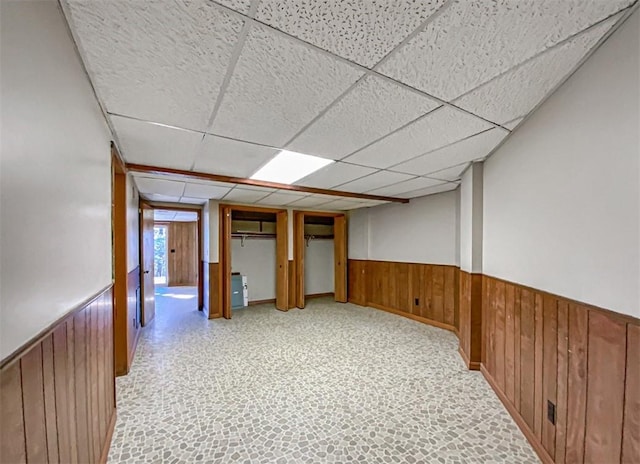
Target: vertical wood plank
x=50 y=398
x=490 y=329
x=340 y=258
x=12 y=438
x=449 y=295
x=527 y=357
x=549 y=369
x=33 y=401
x=81 y=394
x=402 y=289
x=426 y=302
x=60 y=374
x=561 y=405
x=509 y=343
x=438 y=294
x=538 y=364
x=605 y=389
x=576 y=383
x=94 y=309
x=71 y=390
x=516 y=347
x=499 y=353
x=631 y=427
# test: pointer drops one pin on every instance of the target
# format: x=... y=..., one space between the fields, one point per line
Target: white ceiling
x=404 y=94
x=165 y=215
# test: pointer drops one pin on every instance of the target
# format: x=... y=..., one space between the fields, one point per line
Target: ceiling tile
x=148 y=185
x=281 y=198
x=513 y=124
x=230 y=157
x=208 y=192
x=161 y=198
x=278 y=86
x=156 y=60
x=450 y=174
x=374 y=181
x=517 y=92
x=193 y=201
x=343 y=205
x=144 y=143
x=186 y=216
x=473 y=41
x=372 y=109
x=430 y=190
x=241 y=6
x=335 y=174
x=163 y=215
x=242 y=195
x=312 y=201
x=439 y=128
x=473 y=148
x=406 y=186
x=361 y=31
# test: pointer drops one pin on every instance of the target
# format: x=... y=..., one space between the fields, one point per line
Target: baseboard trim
x=424 y=320
x=107 y=444
x=318 y=295
x=472 y=366
x=524 y=427
x=259 y=302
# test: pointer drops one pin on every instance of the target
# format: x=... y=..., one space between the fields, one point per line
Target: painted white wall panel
x=471 y=219
x=55 y=175
x=358 y=244
x=133 y=227
x=256 y=260
x=422 y=231
x=318 y=267
x=562 y=195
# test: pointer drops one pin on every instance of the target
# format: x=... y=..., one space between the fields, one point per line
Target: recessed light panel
x=288 y=166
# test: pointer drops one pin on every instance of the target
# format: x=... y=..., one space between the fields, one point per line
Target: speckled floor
x=332 y=383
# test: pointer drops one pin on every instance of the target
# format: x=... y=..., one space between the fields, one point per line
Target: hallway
x=331 y=383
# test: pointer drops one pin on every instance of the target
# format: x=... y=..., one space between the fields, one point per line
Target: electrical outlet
x=417 y=302
x=551 y=412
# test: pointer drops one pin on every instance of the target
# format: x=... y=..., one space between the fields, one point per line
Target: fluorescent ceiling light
x=287 y=167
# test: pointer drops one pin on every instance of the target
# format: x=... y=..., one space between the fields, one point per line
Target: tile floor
x=329 y=384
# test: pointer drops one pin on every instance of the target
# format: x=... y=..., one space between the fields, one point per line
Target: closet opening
x=253 y=256
x=320 y=256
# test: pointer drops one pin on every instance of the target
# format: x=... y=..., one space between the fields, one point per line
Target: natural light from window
x=288 y=166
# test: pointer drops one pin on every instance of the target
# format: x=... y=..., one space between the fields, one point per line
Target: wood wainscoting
x=543 y=352
x=425 y=292
x=470 y=328
x=127 y=323
x=215 y=291
x=57 y=394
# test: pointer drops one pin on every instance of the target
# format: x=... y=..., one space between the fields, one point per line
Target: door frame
x=225 y=212
x=200 y=270
x=339 y=255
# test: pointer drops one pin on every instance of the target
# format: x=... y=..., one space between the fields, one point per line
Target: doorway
x=170 y=255
x=320 y=255
x=253 y=257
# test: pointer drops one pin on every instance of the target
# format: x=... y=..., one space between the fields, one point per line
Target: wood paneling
x=215 y=291
x=58 y=396
x=540 y=349
x=292 y=285
x=340 y=258
x=282 y=261
x=423 y=292
x=147 y=287
x=298 y=257
x=183 y=253
x=127 y=324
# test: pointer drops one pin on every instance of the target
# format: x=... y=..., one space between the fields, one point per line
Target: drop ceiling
x=403 y=95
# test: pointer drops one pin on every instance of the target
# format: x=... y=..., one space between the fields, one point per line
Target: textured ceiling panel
x=162 y=198
x=343 y=205
x=430 y=190
x=239 y=5
x=470 y=149
x=163 y=215
x=374 y=181
x=335 y=174
x=517 y=92
x=450 y=174
x=281 y=198
x=278 y=86
x=439 y=128
x=208 y=192
x=475 y=40
x=369 y=111
x=312 y=201
x=231 y=158
x=156 y=60
x=242 y=195
x=144 y=143
x=512 y=124
x=192 y=201
x=149 y=185
x=406 y=186
x=361 y=31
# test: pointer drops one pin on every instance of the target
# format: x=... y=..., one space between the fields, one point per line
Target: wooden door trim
x=224 y=254
x=119 y=253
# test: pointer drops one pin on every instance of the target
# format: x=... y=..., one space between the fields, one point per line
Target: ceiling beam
x=256 y=183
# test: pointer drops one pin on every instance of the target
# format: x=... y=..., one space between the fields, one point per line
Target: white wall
x=213 y=232
x=471 y=209
x=55 y=193
x=133 y=225
x=422 y=231
x=318 y=267
x=358 y=236
x=256 y=260
x=561 y=196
